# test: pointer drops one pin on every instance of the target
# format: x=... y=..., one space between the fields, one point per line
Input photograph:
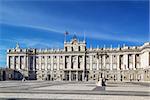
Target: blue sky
x=41 y=24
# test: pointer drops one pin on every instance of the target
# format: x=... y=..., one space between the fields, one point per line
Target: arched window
x=79 y=48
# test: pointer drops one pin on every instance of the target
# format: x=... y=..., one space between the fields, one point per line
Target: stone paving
x=36 y=90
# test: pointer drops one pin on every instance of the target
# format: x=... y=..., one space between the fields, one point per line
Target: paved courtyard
x=37 y=90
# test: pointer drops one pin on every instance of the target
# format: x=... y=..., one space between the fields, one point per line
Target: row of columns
x=77 y=76
x=17 y=64
x=27 y=62
x=58 y=62
x=118 y=63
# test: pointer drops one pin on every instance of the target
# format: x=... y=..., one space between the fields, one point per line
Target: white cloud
x=40 y=42
x=30 y=43
x=43 y=21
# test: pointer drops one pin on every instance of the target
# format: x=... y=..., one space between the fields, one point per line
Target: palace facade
x=75 y=62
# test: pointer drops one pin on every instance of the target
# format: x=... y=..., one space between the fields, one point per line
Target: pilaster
x=13 y=62
x=19 y=64
x=76 y=75
x=111 y=62
x=83 y=57
x=97 y=64
x=69 y=75
x=8 y=61
x=46 y=65
x=118 y=67
x=52 y=64
x=24 y=59
x=118 y=62
x=125 y=58
x=83 y=76
x=91 y=62
x=134 y=62
x=70 y=57
x=64 y=62
x=27 y=63
x=58 y=59
x=104 y=59
x=77 y=62
x=40 y=63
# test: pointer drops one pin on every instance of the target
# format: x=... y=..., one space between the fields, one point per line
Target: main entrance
x=73 y=75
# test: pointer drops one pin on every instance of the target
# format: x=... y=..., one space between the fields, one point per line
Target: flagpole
x=65 y=37
x=66 y=33
x=84 y=36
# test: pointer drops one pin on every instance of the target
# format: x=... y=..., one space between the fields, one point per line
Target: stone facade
x=77 y=63
x=9 y=74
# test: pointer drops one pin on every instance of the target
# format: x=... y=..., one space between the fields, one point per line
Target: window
x=31 y=63
x=54 y=75
x=79 y=64
x=94 y=75
x=42 y=75
x=65 y=65
x=71 y=65
x=66 y=49
x=79 y=48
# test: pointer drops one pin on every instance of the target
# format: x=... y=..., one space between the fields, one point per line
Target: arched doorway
x=4 y=75
x=48 y=77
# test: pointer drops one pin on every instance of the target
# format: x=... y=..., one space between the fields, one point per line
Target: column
x=100 y=57
x=58 y=58
x=64 y=62
x=104 y=57
x=125 y=58
x=13 y=62
x=134 y=62
x=52 y=65
x=25 y=67
x=111 y=62
x=97 y=64
x=69 y=75
x=77 y=63
x=46 y=67
x=118 y=62
x=70 y=61
x=76 y=75
x=40 y=65
x=19 y=64
x=83 y=57
x=24 y=58
x=118 y=68
x=34 y=62
x=8 y=61
x=14 y=65
x=91 y=62
x=27 y=63
x=83 y=76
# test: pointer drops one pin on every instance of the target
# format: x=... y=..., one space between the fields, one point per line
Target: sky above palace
x=42 y=23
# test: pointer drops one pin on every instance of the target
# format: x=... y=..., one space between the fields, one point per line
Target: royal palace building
x=75 y=62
